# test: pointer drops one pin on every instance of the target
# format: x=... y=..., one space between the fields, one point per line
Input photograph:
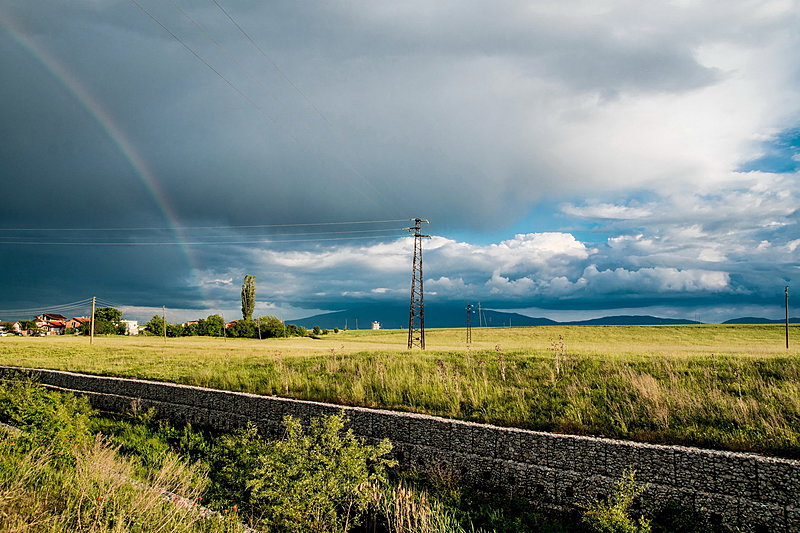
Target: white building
x=376 y=325
x=131 y=327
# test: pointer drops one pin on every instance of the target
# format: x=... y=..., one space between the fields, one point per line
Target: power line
x=291 y=234
x=274 y=64
x=346 y=160
x=189 y=228
x=335 y=154
x=185 y=243
x=250 y=74
x=219 y=45
x=57 y=308
x=218 y=73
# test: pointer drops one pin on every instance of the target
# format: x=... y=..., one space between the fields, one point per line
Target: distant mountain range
x=395 y=316
x=756 y=320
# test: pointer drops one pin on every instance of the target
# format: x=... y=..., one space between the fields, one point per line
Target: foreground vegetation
x=141 y=474
x=730 y=387
x=56 y=476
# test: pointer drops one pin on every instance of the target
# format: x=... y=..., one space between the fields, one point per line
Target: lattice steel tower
x=416 y=312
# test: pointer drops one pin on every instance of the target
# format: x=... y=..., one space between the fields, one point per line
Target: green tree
x=271 y=327
x=317 y=330
x=155 y=325
x=108 y=321
x=28 y=325
x=248 y=297
x=174 y=330
x=214 y=325
x=243 y=328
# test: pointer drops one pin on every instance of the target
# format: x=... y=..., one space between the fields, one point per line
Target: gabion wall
x=748 y=491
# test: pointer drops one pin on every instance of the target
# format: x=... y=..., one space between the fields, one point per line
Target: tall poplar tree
x=248 y=297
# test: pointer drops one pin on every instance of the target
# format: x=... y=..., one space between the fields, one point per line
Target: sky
x=575 y=159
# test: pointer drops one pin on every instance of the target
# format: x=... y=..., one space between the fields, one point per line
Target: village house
x=51 y=323
x=77 y=321
x=131 y=327
x=9 y=326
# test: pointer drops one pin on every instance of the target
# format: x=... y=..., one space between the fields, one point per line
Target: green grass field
x=729 y=387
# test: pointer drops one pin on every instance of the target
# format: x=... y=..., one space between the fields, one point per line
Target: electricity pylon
x=416 y=312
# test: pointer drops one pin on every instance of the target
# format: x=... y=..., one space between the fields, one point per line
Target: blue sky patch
x=781 y=155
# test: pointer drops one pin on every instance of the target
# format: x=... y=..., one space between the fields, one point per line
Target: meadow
x=726 y=387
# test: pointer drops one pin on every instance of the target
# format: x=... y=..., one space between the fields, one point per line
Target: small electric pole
x=91 y=322
x=164 y=318
x=469 y=324
x=416 y=312
x=786 y=295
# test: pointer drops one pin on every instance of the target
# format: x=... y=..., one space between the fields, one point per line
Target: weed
x=614 y=515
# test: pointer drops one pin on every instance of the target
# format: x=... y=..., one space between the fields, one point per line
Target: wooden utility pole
x=469 y=324
x=786 y=295
x=164 y=317
x=91 y=322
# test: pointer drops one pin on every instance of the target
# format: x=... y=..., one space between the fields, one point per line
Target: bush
x=317 y=479
x=614 y=515
x=56 y=421
x=54 y=476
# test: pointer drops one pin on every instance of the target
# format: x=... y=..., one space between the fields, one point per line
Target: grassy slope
x=733 y=387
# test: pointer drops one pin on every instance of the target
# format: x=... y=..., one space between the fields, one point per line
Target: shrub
x=317 y=479
x=614 y=514
x=54 y=476
x=56 y=421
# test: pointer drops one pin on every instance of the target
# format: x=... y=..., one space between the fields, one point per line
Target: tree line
x=263 y=327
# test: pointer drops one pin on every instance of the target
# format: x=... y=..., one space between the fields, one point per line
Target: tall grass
x=54 y=477
x=97 y=493
x=724 y=387
x=321 y=478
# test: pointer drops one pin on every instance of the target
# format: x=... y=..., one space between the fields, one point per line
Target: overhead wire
x=136 y=238
x=218 y=73
x=304 y=234
x=189 y=228
x=331 y=127
x=238 y=90
x=81 y=305
x=186 y=243
x=336 y=154
x=273 y=63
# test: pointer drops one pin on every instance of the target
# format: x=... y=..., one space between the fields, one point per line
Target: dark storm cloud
x=465 y=113
x=397 y=90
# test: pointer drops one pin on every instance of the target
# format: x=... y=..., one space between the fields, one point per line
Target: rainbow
x=108 y=124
